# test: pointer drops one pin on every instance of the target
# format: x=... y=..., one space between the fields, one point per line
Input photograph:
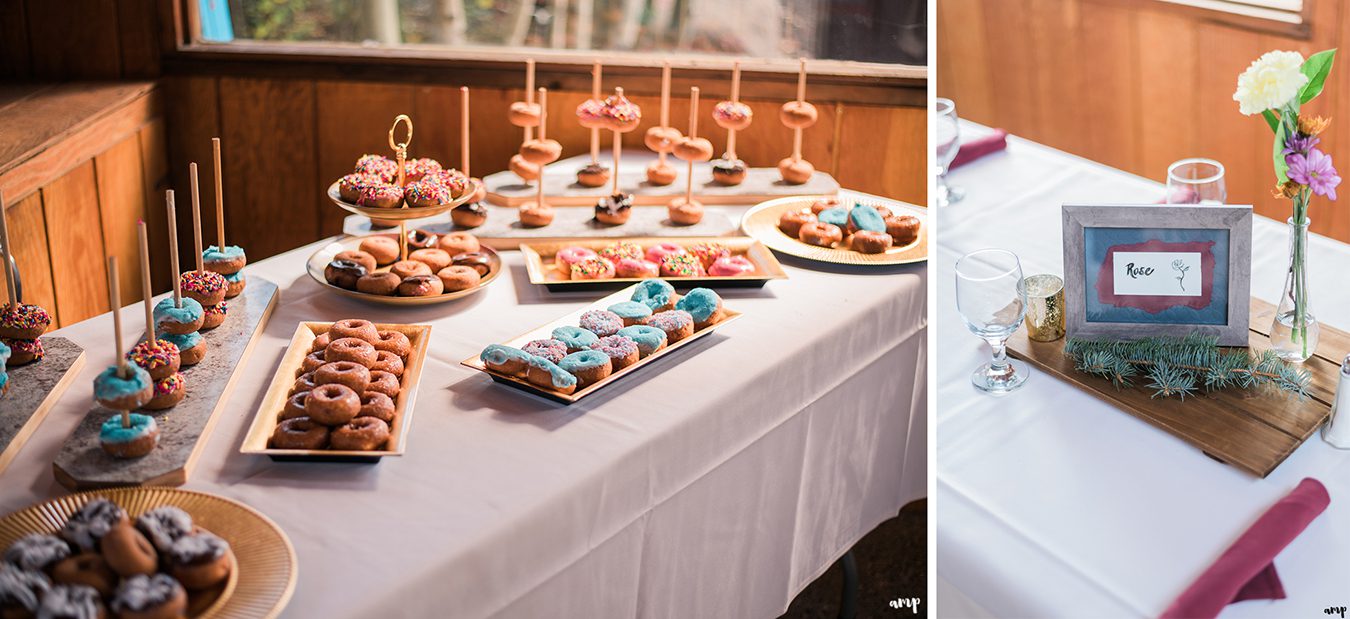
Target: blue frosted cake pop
x=123 y=393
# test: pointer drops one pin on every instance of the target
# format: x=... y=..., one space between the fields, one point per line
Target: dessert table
x=718 y=482
x=1053 y=504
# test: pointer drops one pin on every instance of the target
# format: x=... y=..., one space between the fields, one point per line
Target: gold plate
x=570 y=320
x=265 y=420
x=539 y=263
x=761 y=222
x=321 y=258
x=263 y=577
x=398 y=214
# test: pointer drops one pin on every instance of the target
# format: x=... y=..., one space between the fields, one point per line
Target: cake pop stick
x=529 y=96
x=115 y=301
x=693 y=135
x=220 y=195
x=733 y=116
x=196 y=216
x=20 y=322
x=797 y=115
x=464 y=125
x=146 y=294
x=11 y=290
x=538 y=213
x=662 y=138
x=124 y=387
x=205 y=287
x=735 y=98
x=543 y=135
x=595 y=131
x=173 y=248
x=686 y=211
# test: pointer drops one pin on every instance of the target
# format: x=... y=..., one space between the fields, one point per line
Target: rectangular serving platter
x=539 y=264
x=265 y=420
x=545 y=331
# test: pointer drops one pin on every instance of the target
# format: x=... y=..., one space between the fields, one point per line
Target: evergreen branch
x=1182 y=366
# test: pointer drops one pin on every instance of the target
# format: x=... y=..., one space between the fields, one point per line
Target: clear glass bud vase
x=1293 y=333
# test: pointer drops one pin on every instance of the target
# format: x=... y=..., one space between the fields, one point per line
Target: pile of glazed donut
x=868 y=229
x=159 y=565
x=344 y=397
x=436 y=265
x=374 y=182
x=626 y=259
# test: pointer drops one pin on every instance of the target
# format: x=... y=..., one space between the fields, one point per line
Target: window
x=1287 y=12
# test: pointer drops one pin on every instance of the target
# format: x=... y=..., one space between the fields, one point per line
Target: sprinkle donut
x=622 y=352
x=601 y=322
x=160 y=358
x=593 y=268
x=204 y=287
x=568 y=256
x=550 y=349
x=622 y=250
x=707 y=253
x=681 y=265
x=677 y=324
x=656 y=253
x=377 y=165
x=169 y=391
x=23 y=321
x=23 y=351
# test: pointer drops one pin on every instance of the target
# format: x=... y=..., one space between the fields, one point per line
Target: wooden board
x=33 y=389
x=82 y=464
x=506 y=189
x=1251 y=430
x=502 y=230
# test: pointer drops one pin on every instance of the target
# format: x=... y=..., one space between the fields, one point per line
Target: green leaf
x=1271 y=120
x=1281 y=168
x=1316 y=67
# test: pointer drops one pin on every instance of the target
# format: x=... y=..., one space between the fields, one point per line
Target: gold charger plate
x=265 y=420
x=263 y=577
x=761 y=222
x=539 y=263
x=321 y=258
x=545 y=331
x=398 y=214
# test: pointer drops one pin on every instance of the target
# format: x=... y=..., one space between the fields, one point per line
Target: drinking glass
x=1196 y=181
x=947 y=137
x=992 y=299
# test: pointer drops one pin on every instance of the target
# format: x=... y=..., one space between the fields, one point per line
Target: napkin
x=979 y=147
x=1246 y=571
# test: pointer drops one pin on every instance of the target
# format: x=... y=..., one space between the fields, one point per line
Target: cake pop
x=621 y=117
x=591 y=115
x=733 y=116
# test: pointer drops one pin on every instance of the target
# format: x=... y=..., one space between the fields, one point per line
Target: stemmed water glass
x=947 y=137
x=992 y=299
x=1196 y=181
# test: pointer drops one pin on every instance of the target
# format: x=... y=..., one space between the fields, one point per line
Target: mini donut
x=790 y=222
x=200 y=561
x=883 y=211
x=157 y=596
x=593 y=175
x=592 y=268
x=21 y=591
x=361 y=434
x=631 y=312
x=26 y=351
x=620 y=114
x=353 y=327
x=234 y=285
x=384 y=382
x=568 y=256
x=380 y=195
x=649 y=339
x=416 y=169
x=204 y=287
x=589 y=366
x=225 y=261
x=119 y=392
x=359 y=257
x=408 y=268
x=622 y=352
x=795 y=171
x=303 y=383
x=731 y=266
x=178 y=320
x=294 y=408
x=659 y=251
x=36 y=552
x=524 y=169
x=620 y=250
x=660 y=174
x=351 y=185
x=590 y=116
x=820 y=234
x=798 y=114
x=343 y=273
x=423 y=285
x=382 y=248
x=169 y=391
x=350 y=374
x=350 y=349
x=655 y=293
x=393 y=341
x=639 y=268
x=661 y=139
x=703 y=305
x=435 y=259
x=455 y=278
x=332 y=404
x=478 y=261
x=837 y=216
x=575 y=338
x=708 y=252
x=614 y=210
x=320 y=342
x=88 y=569
x=23 y=321
x=522 y=114
x=159 y=358
x=452 y=179
x=299 y=433
x=128 y=552
x=550 y=349
x=467 y=215
x=386 y=361
x=729 y=171
x=733 y=115
x=677 y=324
x=864 y=217
x=163 y=526
x=421 y=239
x=601 y=322
x=71 y=601
x=505 y=359
x=682 y=265
x=825 y=203
x=685 y=213
x=540 y=151
x=191 y=347
x=378 y=166
x=869 y=242
x=903 y=229
x=376 y=405
x=458 y=243
x=479 y=190
x=382 y=283
x=214 y=315
x=693 y=149
x=91 y=522
x=544 y=373
x=534 y=215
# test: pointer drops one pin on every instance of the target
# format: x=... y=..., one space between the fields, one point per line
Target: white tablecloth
x=1052 y=503
x=717 y=485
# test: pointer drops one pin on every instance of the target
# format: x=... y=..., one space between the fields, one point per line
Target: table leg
x=848 y=599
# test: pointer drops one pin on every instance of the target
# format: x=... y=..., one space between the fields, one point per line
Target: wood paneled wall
x=1135 y=85
x=82 y=39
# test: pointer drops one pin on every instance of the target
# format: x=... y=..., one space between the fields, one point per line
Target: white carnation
x=1270 y=82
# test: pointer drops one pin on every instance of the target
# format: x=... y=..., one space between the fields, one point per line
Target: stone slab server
x=33 y=389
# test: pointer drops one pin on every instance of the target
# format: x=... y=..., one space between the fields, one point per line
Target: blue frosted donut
x=648 y=339
x=631 y=310
x=864 y=217
x=234 y=277
x=575 y=338
x=654 y=293
x=837 y=216
x=214 y=254
x=583 y=360
x=112 y=431
x=4 y=355
x=187 y=341
x=110 y=386
x=561 y=378
x=498 y=354
x=701 y=303
x=165 y=312
x=4 y=380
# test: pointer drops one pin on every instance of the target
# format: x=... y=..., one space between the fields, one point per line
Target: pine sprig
x=1183 y=366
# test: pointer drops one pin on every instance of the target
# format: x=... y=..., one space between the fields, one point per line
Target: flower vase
x=1294 y=331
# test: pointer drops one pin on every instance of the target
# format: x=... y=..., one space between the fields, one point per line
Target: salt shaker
x=1337 y=429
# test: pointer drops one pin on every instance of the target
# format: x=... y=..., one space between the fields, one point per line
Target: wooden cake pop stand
x=505 y=189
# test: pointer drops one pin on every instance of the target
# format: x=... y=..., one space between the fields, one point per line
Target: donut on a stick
x=687 y=211
x=20 y=323
x=470 y=214
x=225 y=259
x=525 y=114
x=124 y=387
x=538 y=214
x=206 y=287
x=591 y=115
x=662 y=139
x=160 y=358
x=733 y=116
x=621 y=117
x=797 y=115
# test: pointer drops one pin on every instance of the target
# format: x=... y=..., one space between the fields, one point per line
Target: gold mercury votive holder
x=1045 y=307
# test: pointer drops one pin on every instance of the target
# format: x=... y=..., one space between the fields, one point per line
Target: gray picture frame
x=1237 y=219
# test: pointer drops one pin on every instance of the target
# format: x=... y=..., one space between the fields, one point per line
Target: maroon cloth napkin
x=1246 y=571
x=974 y=149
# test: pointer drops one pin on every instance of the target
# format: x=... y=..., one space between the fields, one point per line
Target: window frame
x=1241 y=14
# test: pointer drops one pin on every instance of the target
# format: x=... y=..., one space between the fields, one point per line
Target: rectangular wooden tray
x=1254 y=431
x=265 y=420
x=545 y=331
x=539 y=264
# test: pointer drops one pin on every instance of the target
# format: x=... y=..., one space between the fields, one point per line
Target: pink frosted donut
x=730 y=266
x=707 y=253
x=620 y=250
x=628 y=267
x=601 y=322
x=550 y=349
x=569 y=256
x=658 y=252
x=593 y=268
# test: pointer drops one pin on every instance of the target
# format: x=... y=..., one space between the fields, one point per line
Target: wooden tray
x=321 y=258
x=561 y=188
x=263 y=577
x=1253 y=431
x=82 y=464
x=33 y=390
x=265 y=420
x=545 y=331
x=396 y=214
x=761 y=222
x=539 y=264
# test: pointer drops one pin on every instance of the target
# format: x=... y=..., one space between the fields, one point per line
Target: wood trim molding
x=1245 y=17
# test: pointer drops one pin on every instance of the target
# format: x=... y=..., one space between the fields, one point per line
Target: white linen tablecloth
x=718 y=483
x=1053 y=503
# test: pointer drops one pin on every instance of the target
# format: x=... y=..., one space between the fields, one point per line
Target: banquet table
x=718 y=482
x=1053 y=503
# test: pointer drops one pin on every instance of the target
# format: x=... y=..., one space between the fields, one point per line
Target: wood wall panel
x=155 y=179
x=76 y=39
x=14 y=56
x=122 y=200
x=74 y=235
x=28 y=235
x=193 y=117
x=355 y=120
x=899 y=132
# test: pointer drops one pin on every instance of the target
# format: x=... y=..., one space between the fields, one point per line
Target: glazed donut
x=601 y=322
x=869 y=242
x=350 y=374
x=200 y=561
x=378 y=166
x=589 y=366
x=703 y=305
x=382 y=248
x=128 y=552
x=904 y=229
x=178 y=320
x=648 y=339
x=729 y=171
x=36 y=552
x=343 y=273
x=661 y=139
x=677 y=324
x=522 y=114
x=408 y=268
x=790 y=222
x=654 y=293
x=350 y=349
x=681 y=265
x=376 y=405
x=214 y=315
x=353 y=327
x=708 y=252
x=435 y=259
x=456 y=278
x=614 y=210
x=423 y=285
x=478 y=261
x=731 y=266
x=332 y=405
x=540 y=152
x=361 y=434
x=505 y=359
x=795 y=172
x=383 y=283
x=592 y=268
x=304 y=382
x=733 y=115
x=320 y=342
x=299 y=433
x=825 y=203
x=160 y=359
x=524 y=169
x=661 y=174
x=798 y=114
x=416 y=169
x=386 y=361
x=455 y=243
x=593 y=175
x=864 y=217
x=351 y=185
x=427 y=192
x=203 y=287
x=88 y=569
x=534 y=215
x=544 y=373
x=294 y=408
x=421 y=239
x=114 y=391
x=630 y=268
x=693 y=149
x=622 y=352
x=590 y=116
x=683 y=213
x=467 y=215
x=226 y=261
x=384 y=382
x=568 y=256
x=359 y=257
x=393 y=341
x=158 y=596
x=550 y=349
x=574 y=338
x=382 y=195
x=86 y=527
x=168 y=392
x=820 y=234
x=620 y=114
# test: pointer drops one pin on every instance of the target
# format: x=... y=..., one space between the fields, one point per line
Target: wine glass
x=1196 y=181
x=947 y=137
x=992 y=299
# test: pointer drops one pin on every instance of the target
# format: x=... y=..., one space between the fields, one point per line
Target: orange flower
x=1312 y=125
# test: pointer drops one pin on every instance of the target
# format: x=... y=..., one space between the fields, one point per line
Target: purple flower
x=1314 y=170
x=1300 y=143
